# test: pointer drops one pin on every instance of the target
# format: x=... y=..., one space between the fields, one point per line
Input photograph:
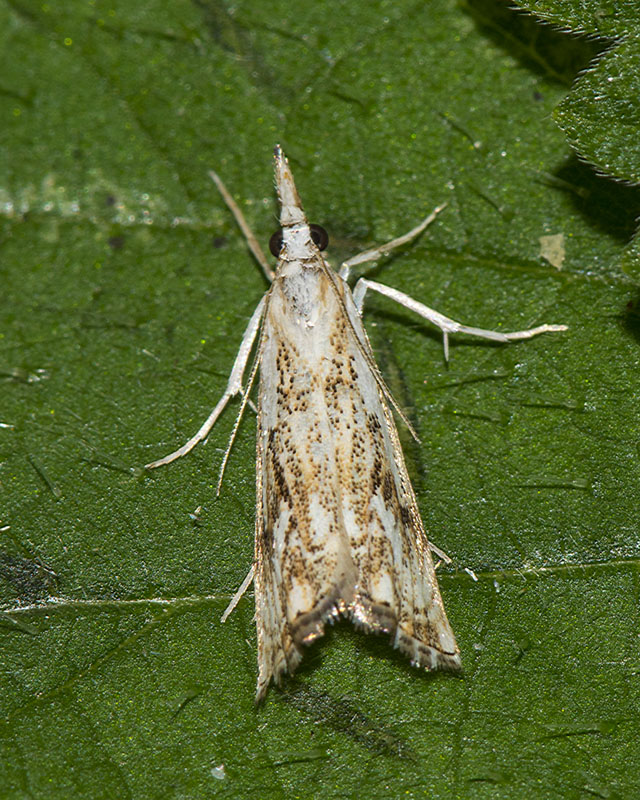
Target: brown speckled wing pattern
x=338 y=532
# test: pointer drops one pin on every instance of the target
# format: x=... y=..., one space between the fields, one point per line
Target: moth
x=338 y=531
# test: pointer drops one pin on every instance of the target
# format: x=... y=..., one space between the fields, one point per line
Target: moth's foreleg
x=377 y=252
x=234 y=387
x=445 y=324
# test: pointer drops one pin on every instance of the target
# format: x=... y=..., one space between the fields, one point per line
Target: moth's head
x=296 y=239
x=291 y=211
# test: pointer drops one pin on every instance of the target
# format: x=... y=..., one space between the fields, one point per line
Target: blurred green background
x=125 y=288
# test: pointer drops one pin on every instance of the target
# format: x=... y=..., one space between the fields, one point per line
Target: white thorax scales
x=338 y=531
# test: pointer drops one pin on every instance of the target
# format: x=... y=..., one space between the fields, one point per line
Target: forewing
x=337 y=528
x=305 y=574
x=397 y=590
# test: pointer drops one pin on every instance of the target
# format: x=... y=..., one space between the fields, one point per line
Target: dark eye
x=320 y=236
x=275 y=243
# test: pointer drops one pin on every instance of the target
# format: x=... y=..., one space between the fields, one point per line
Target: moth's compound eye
x=320 y=236
x=275 y=243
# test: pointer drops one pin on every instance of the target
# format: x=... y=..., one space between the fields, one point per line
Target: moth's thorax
x=299 y=292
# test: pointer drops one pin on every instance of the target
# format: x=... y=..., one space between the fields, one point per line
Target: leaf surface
x=126 y=289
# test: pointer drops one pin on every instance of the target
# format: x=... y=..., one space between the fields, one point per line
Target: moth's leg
x=254 y=246
x=376 y=252
x=234 y=386
x=238 y=595
x=445 y=324
x=243 y=405
x=440 y=553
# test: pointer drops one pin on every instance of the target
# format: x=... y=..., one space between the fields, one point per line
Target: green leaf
x=612 y=18
x=600 y=115
x=126 y=287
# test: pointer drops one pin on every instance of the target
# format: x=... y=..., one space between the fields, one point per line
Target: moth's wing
x=397 y=591
x=277 y=652
x=338 y=530
x=305 y=574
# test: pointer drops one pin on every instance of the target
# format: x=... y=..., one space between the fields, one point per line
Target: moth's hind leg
x=445 y=324
x=238 y=595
